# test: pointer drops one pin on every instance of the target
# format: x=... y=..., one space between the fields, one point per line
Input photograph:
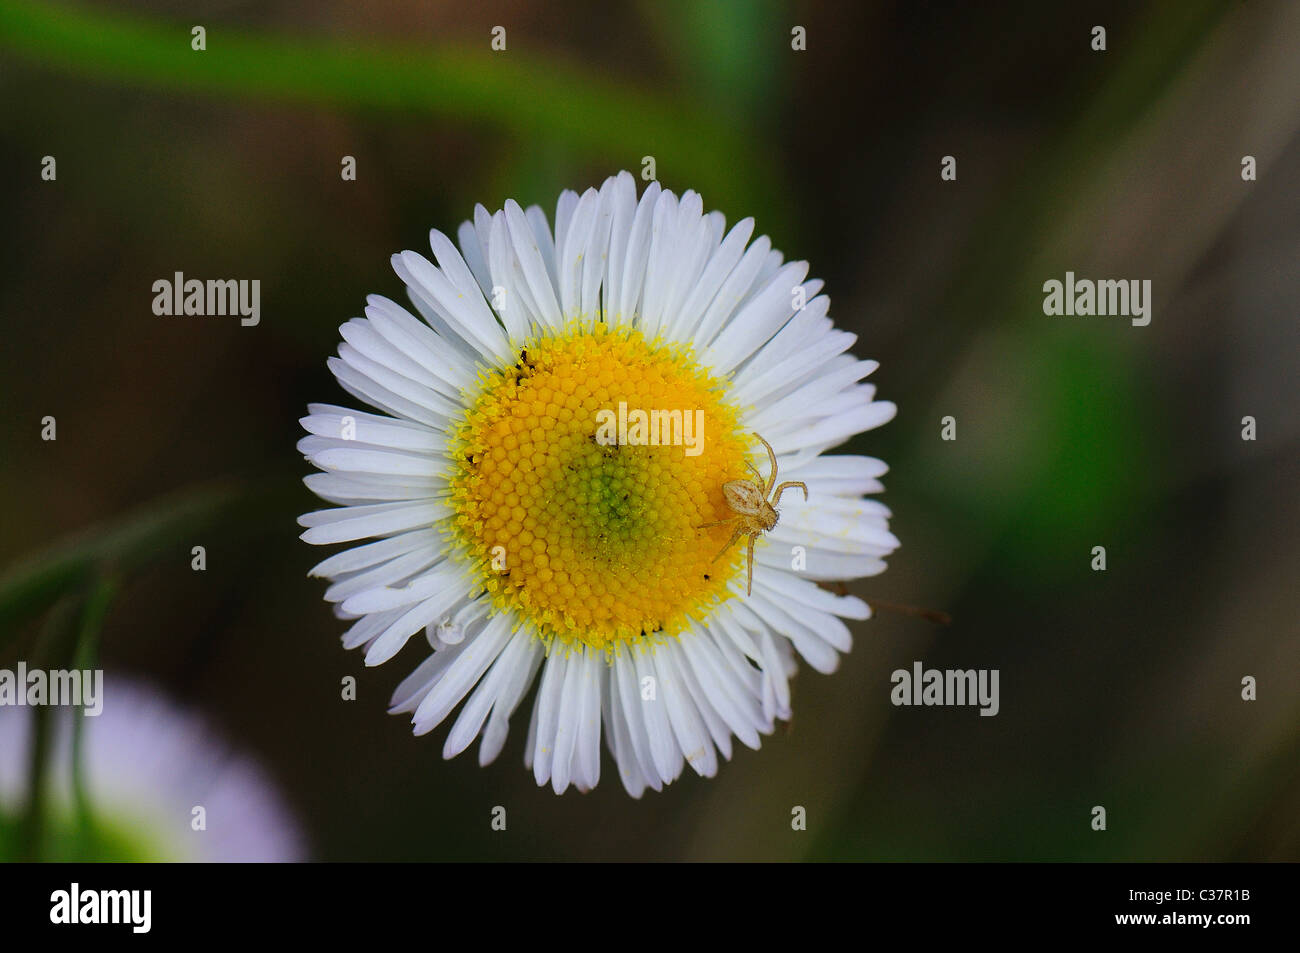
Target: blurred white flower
x=146 y=767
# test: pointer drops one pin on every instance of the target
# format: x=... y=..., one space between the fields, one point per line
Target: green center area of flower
x=583 y=475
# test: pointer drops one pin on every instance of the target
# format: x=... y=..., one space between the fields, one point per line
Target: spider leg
x=734 y=536
x=717 y=523
x=771 y=455
x=754 y=470
x=749 y=586
x=786 y=485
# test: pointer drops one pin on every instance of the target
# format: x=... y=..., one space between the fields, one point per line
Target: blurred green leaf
x=122 y=544
x=726 y=51
x=529 y=95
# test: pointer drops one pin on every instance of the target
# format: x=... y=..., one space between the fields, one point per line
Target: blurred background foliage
x=1119 y=688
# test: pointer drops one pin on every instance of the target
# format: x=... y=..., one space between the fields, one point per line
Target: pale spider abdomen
x=744 y=497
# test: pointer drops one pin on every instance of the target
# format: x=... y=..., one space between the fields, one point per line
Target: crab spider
x=748 y=499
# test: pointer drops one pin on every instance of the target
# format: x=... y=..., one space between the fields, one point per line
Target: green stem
x=50 y=645
x=87 y=652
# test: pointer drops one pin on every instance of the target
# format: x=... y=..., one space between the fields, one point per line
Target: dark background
x=1119 y=688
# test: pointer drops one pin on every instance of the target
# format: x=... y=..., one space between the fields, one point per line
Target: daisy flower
x=530 y=548
x=146 y=765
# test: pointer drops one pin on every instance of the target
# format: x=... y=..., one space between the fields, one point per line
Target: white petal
x=471 y=662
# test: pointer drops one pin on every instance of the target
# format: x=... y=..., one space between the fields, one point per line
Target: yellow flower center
x=583 y=474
